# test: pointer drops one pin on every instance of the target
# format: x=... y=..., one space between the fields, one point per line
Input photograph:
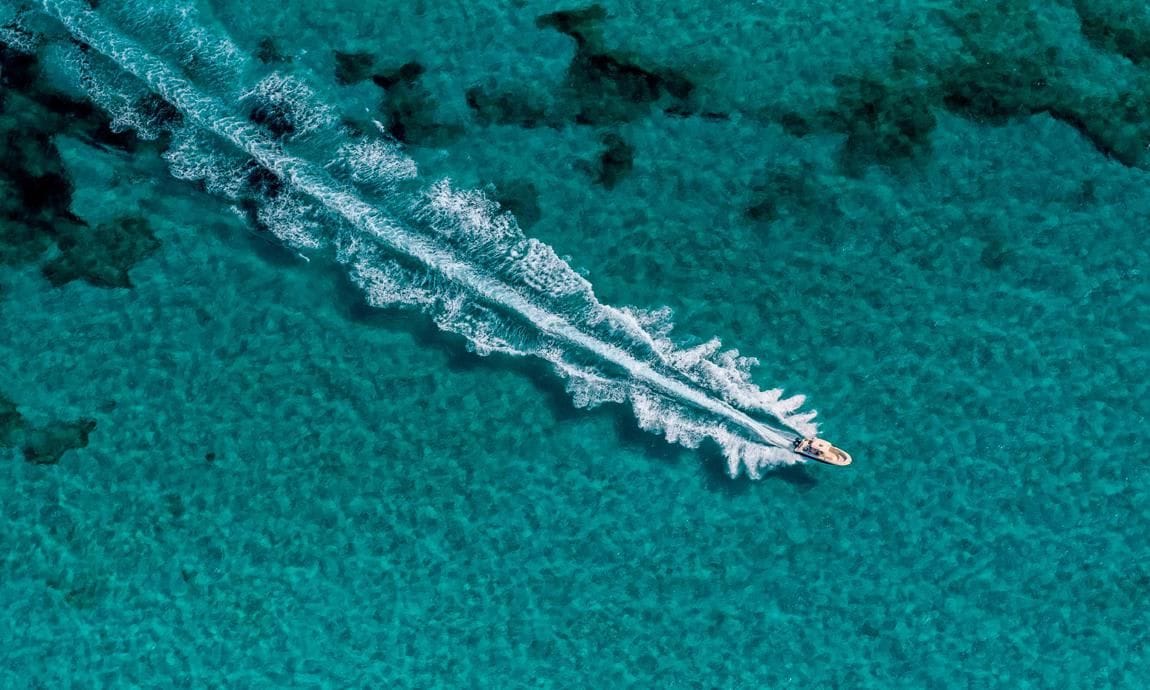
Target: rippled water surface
x=250 y=444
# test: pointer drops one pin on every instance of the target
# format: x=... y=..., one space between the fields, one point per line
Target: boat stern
x=818 y=449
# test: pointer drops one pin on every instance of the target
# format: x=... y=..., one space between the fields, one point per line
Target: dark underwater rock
x=521 y=199
x=353 y=127
x=68 y=108
x=1007 y=69
x=406 y=115
x=22 y=241
x=35 y=194
x=268 y=52
x=48 y=112
x=995 y=255
x=352 y=68
x=615 y=161
x=41 y=445
x=103 y=255
x=504 y=108
x=17 y=70
x=36 y=197
x=708 y=115
x=406 y=73
x=577 y=24
x=796 y=124
x=782 y=191
x=601 y=87
x=82 y=119
x=409 y=111
x=993 y=83
x=1117 y=26
x=610 y=88
x=102 y=136
x=11 y=422
x=38 y=193
x=884 y=121
x=46 y=445
x=1017 y=71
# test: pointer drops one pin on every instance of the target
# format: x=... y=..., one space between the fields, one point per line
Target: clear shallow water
x=384 y=508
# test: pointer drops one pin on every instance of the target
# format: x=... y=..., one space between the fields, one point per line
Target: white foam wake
x=452 y=254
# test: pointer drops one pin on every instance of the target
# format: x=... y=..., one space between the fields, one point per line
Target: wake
x=446 y=252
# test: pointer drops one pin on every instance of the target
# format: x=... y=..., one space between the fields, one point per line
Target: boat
x=818 y=449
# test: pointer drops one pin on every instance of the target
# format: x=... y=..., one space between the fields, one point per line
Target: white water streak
x=314 y=181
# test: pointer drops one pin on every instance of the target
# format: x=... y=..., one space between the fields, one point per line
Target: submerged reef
x=521 y=109
x=602 y=86
x=782 y=191
x=1008 y=64
x=611 y=164
x=11 y=421
x=268 y=52
x=615 y=160
x=1010 y=67
x=47 y=444
x=410 y=114
x=41 y=445
x=18 y=70
x=521 y=199
x=36 y=192
x=407 y=73
x=1117 y=26
x=352 y=68
x=102 y=255
x=608 y=87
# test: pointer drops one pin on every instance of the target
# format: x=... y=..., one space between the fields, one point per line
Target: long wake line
x=313 y=180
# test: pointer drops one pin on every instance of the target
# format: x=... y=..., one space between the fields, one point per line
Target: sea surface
x=226 y=463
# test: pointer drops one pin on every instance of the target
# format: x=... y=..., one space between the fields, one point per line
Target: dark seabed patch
x=47 y=444
x=607 y=87
x=353 y=67
x=36 y=192
x=1008 y=69
x=785 y=190
x=410 y=113
x=603 y=87
x=41 y=445
x=1117 y=26
x=102 y=255
x=521 y=199
x=407 y=73
x=615 y=161
x=11 y=421
x=522 y=108
x=269 y=53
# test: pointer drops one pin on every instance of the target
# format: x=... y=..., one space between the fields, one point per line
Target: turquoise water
x=928 y=220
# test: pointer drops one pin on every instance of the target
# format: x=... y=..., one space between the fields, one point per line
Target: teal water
x=928 y=220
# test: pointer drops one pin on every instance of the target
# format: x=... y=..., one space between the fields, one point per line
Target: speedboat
x=818 y=449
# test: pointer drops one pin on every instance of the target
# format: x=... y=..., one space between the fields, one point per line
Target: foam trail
x=466 y=220
x=442 y=275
